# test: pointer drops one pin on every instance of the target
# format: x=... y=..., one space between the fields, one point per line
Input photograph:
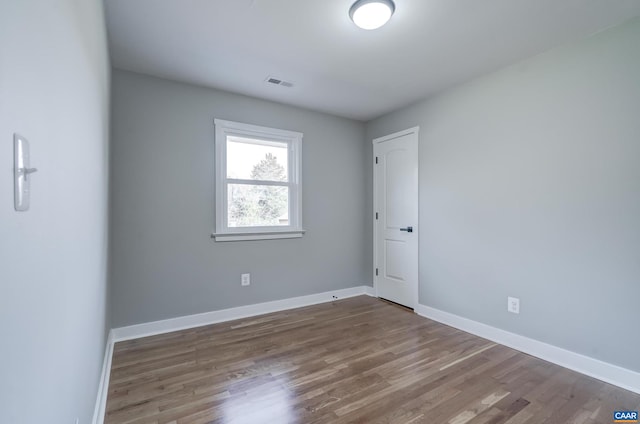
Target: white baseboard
x=609 y=373
x=595 y=368
x=103 y=387
x=207 y=318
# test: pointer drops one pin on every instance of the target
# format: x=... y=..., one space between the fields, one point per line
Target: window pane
x=251 y=159
x=257 y=205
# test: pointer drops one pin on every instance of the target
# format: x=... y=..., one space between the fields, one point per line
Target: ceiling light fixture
x=371 y=14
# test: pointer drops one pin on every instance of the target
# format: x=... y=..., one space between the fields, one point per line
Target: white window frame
x=294 y=142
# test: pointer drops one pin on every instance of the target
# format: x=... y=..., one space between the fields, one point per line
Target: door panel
x=396 y=177
x=393 y=260
x=396 y=204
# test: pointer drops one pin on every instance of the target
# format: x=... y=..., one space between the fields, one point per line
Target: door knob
x=408 y=229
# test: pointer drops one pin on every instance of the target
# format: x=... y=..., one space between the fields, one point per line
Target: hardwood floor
x=358 y=360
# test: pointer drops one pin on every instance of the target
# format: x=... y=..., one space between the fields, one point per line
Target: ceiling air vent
x=278 y=81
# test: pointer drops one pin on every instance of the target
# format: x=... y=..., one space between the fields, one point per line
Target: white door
x=396 y=217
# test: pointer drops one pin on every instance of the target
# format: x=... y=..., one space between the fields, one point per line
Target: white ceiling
x=427 y=46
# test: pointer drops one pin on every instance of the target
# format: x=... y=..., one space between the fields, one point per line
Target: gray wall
x=164 y=263
x=530 y=187
x=54 y=90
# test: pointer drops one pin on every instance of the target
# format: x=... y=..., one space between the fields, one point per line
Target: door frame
x=413 y=130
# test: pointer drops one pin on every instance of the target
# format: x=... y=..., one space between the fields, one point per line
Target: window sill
x=262 y=235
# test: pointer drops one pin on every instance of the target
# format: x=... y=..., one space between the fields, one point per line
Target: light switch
x=21 y=172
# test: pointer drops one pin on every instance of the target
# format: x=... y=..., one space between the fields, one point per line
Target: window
x=258 y=190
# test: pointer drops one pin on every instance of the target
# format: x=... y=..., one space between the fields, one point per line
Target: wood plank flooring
x=358 y=360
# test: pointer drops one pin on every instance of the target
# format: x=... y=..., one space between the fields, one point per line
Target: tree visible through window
x=252 y=205
x=258 y=188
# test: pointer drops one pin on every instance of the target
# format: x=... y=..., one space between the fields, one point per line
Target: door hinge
x=376 y=160
x=376 y=271
x=376 y=215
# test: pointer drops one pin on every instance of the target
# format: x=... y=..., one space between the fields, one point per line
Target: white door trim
x=413 y=130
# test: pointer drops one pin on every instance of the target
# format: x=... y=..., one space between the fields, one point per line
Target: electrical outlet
x=245 y=279
x=513 y=305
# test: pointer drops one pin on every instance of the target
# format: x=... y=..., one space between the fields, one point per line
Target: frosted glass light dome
x=371 y=14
